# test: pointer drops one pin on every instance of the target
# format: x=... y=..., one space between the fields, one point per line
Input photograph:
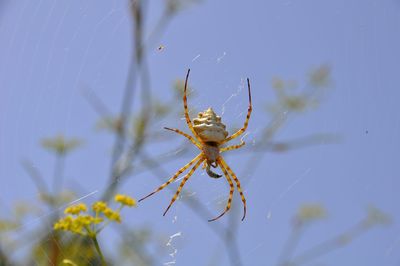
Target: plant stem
x=97 y=246
x=58 y=174
x=331 y=244
x=55 y=248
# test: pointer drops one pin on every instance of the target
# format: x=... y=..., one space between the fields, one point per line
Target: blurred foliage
x=310 y=212
x=290 y=100
x=112 y=124
x=60 y=145
x=74 y=240
x=73 y=249
x=59 y=199
x=6 y=225
x=321 y=77
x=314 y=212
x=178 y=88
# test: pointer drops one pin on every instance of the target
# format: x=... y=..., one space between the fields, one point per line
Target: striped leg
x=187 y=176
x=185 y=135
x=228 y=205
x=188 y=121
x=246 y=122
x=180 y=171
x=233 y=147
x=232 y=174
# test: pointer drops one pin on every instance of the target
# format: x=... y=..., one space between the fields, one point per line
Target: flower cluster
x=76 y=209
x=77 y=224
x=125 y=200
x=78 y=221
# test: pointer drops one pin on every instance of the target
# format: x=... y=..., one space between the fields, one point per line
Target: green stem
x=58 y=174
x=96 y=244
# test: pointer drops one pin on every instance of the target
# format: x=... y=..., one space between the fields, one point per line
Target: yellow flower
x=76 y=209
x=125 y=200
x=69 y=262
x=75 y=224
x=80 y=222
x=98 y=220
x=84 y=220
x=99 y=206
x=112 y=215
x=64 y=223
x=76 y=227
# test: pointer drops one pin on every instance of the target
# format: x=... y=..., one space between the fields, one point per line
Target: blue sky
x=50 y=50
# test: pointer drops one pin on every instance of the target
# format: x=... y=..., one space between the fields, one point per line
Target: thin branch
x=35 y=176
x=96 y=102
x=331 y=244
x=4 y=260
x=137 y=245
x=290 y=245
x=58 y=177
x=127 y=101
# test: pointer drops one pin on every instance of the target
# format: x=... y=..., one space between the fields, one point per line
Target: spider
x=209 y=135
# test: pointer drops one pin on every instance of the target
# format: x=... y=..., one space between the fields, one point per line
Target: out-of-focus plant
x=78 y=221
x=60 y=145
x=306 y=215
x=318 y=80
x=111 y=124
x=74 y=238
x=291 y=99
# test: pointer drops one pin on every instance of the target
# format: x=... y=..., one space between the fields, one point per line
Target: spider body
x=209 y=137
x=211 y=153
x=212 y=132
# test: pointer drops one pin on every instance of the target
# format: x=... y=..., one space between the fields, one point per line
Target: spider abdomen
x=211 y=153
x=209 y=127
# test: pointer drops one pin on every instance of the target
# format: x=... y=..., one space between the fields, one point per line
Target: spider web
x=51 y=50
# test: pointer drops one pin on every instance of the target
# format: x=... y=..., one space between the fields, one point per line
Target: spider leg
x=180 y=171
x=232 y=174
x=233 y=147
x=228 y=205
x=187 y=176
x=185 y=106
x=185 y=135
x=246 y=122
